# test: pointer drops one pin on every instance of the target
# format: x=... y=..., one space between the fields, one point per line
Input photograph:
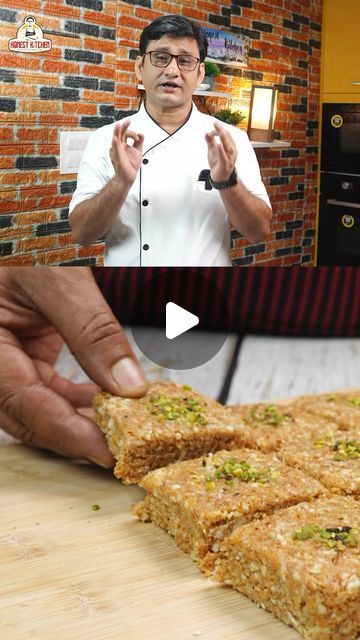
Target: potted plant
x=212 y=71
x=231 y=117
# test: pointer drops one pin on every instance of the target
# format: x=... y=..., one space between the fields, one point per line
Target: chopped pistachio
x=337 y=538
x=241 y=470
x=346 y=450
x=209 y=483
x=355 y=401
x=177 y=408
x=270 y=415
x=95 y=507
x=322 y=440
x=331 y=399
x=187 y=387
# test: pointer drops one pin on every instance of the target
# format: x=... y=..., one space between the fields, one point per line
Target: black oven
x=339 y=220
x=340 y=146
x=339 y=205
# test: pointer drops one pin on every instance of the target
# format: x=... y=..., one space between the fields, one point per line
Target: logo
x=348 y=221
x=30 y=38
x=337 y=121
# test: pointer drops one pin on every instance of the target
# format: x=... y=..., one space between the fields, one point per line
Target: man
x=165 y=185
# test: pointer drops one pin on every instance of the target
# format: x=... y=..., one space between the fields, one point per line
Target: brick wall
x=87 y=80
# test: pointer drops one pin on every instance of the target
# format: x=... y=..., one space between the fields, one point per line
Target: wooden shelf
x=218 y=94
x=270 y=145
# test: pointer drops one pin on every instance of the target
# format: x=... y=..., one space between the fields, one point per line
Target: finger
x=223 y=156
x=210 y=139
x=78 y=394
x=133 y=135
x=139 y=143
x=70 y=299
x=44 y=347
x=36 y=415
x=120 y=127
x=227 y=142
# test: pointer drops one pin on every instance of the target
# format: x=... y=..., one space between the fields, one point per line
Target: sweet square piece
x=342 y=408
x=171 y=422
x=200 y=501
x=333 y=459
x=268 y=427
x=302 y=564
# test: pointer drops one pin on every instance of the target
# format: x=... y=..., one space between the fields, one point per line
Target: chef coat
x=171 y=216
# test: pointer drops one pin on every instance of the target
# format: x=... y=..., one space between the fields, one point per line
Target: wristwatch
x=233 y=180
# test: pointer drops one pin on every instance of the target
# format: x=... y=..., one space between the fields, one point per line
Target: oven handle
x=351 y=205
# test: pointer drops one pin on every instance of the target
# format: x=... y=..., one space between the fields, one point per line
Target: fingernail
x=128 y=376
x=100 y=462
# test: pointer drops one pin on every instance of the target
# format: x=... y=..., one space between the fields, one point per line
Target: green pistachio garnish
x=270 y=415
x=331 y=399
x=322 y=440
x=355 y=402
x=209 y=483
x=95 y=507
x=240 y=470
x=334 y=537
x=346 y=450
x=177 y=408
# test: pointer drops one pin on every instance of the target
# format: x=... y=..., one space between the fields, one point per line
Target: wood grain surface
x=71 y=573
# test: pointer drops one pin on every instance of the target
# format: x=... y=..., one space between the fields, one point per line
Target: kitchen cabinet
x=341 y=51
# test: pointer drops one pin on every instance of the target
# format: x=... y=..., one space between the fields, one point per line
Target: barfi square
x=268 y=427
x=302 y=564
x=333 y=459
x=201 y=501
x=171 y=422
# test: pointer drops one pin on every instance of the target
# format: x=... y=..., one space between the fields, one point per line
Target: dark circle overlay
x=198 y=295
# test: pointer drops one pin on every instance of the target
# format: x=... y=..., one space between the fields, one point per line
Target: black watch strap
x=233 y=180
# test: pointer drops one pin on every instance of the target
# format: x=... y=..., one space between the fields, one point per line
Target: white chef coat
x=169 y=218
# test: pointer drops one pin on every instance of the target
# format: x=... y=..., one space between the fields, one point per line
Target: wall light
x=262 y=113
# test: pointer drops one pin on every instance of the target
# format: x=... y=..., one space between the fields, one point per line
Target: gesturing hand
x=39 y=309
x=126 y=159
x=222 y=155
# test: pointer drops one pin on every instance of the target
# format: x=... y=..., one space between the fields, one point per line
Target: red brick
x=54 y=257
x=94 y=250
x=18 y=261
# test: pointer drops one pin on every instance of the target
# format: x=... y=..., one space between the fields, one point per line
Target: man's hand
x=39 y=309
x=222 y=154
x=126 y=159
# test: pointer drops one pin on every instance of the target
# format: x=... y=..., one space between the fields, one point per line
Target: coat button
x=146 y=247
x=145 y=161
x=145 y=203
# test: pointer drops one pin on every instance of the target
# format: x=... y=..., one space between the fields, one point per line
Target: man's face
x=170 y=86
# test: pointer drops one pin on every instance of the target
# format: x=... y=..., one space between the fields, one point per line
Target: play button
x=178 y=320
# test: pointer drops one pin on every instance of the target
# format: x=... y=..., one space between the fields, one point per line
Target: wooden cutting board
x=71 y=573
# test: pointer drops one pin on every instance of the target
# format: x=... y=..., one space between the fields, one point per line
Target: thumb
x=71 y=300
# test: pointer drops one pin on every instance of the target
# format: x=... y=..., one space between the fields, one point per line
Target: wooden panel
x=341 y=50
x=70 y=572
x=272 y=367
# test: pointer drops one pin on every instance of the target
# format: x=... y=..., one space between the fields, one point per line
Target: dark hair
x=174 y=27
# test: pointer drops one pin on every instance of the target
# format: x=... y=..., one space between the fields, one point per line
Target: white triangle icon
x=178 y=320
